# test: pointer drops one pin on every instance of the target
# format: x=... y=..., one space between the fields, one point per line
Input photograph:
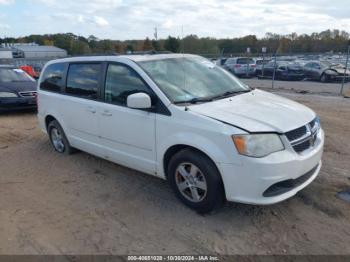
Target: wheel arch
x=51 y=117
x=48 y=120
x=171 y=151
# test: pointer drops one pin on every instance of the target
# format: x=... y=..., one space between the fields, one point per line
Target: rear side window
x=230 y=61
x=52 y=79
x=244 y=61
x=122 y=81
x=83 y=80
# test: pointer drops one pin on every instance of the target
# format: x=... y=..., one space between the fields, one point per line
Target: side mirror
x=139 y=101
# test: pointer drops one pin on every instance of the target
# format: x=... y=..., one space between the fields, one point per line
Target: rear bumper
x=256 y=180
x=244 y=74
x=17 y=103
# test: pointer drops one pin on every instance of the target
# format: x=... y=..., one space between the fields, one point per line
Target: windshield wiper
x=212 y=98
x=231 y=93
x=195 y=100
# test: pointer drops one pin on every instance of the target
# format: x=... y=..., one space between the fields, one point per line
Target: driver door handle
x=91 y=110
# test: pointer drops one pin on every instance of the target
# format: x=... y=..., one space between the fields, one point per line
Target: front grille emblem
x=304 y=137
x=308 y=130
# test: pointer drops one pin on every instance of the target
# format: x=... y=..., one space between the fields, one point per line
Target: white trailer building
x=36 y=51
x=5 y=53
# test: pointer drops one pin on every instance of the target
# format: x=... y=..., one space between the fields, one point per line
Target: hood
x=18 y=86
x=339 y=70
x=257 y=111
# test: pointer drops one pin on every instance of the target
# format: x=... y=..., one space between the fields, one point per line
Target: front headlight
x=257 y=145
x=7 y=94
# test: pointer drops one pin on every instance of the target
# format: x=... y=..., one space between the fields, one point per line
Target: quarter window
x=122 y=81
x=83 y=80
x=52 y=79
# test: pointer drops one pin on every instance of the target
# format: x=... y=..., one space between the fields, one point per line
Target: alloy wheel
x=191 y=182
x=57 y=140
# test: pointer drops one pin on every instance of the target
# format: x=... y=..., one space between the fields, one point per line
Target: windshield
x=14 y=75
x=189 y=78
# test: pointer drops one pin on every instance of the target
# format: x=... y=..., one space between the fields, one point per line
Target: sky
x=136 y=19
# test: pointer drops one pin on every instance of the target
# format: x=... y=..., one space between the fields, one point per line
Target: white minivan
x=184 y=119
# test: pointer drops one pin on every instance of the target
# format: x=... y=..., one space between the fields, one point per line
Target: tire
x=323 y=78
x=204 y=178
x=58 y=138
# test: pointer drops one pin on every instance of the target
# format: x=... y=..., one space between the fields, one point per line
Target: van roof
x=135 y=58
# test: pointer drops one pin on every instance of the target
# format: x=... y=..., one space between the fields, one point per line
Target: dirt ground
x=79 y=204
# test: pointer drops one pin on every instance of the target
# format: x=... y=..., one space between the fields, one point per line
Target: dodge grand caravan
x=181 y=118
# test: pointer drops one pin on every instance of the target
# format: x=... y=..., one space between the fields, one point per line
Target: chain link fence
x=303 y=73
x=319 y=73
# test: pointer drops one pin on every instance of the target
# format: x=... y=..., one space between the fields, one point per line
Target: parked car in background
x=284 y=70
x=326 y=71
x=221 y=61
x=241 y=66
x=260 y=64
x=17 y=89
x=212 y=137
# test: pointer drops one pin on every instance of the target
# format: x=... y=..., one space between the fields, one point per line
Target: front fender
x=213 y=149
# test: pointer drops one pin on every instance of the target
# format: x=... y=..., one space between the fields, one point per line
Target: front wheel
x=196 y=181
x=323 y=78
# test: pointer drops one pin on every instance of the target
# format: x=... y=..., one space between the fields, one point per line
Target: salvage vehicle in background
x=283 y=70
x=326 y=71
x=241 y=66
x=17 y=89
x=211 y=136
x=30 y=71
x=221 y=61
x=260 y=65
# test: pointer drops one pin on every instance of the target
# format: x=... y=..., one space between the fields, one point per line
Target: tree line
x=326 y=41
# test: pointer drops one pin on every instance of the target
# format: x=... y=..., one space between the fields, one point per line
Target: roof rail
x=97 y=54
x=151 y=52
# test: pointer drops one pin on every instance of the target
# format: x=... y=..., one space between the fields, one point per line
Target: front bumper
x=339 y=78
x=17 y=103
x=247 y=182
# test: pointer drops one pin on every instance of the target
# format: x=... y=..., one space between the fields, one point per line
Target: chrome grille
x=28 y=94
x=297 y=133
x=304 y=137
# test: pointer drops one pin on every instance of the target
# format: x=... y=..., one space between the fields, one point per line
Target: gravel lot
x=79 y=204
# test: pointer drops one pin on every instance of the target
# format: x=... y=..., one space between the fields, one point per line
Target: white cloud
x=168 y=24
x=135 y=19
x=4 y=26
x=100 y=21
x=6 y=2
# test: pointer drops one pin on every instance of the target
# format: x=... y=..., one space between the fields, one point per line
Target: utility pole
x=345 y=70
x=156 y=33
